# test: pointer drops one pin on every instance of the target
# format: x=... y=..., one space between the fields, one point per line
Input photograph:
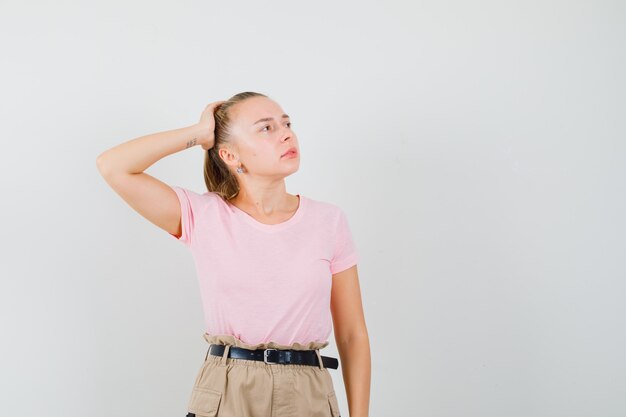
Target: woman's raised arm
x=123 y=168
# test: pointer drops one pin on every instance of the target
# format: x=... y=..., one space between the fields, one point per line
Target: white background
x=478 y=149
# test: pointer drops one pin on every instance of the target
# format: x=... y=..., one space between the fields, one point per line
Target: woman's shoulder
x=324 y=208
x=199 y=197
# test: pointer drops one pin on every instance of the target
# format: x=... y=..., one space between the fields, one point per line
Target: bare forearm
x=136 y=155
x=356 y=369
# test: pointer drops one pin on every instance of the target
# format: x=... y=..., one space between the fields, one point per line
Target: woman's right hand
x=207 y=123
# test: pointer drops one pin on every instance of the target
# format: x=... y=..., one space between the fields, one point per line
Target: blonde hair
x=217 y=177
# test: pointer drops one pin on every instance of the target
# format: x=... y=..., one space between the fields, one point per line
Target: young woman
x=276 y=271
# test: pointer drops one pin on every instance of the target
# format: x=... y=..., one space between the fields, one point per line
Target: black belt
x=275 y=356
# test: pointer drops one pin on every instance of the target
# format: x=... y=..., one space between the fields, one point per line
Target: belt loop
x=319 y=357
x=207 y=353
x=225 y=354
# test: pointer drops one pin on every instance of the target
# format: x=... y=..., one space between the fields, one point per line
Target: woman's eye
x=266 y=126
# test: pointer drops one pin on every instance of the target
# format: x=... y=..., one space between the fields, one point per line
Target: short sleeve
x=187 y=211
x=345 y=254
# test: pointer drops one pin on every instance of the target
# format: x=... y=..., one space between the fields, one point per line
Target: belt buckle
x=265 y=353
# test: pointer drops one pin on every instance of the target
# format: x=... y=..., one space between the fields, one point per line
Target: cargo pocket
x=204 y=402
x=334 y=405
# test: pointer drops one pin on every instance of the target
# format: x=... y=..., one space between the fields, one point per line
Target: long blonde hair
x=217 y=177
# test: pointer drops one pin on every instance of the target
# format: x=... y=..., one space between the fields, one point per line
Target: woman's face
x=262 y=134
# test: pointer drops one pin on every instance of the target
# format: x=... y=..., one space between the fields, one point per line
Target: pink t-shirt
x=266 y=283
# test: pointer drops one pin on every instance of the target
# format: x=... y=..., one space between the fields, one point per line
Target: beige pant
x=228 y=387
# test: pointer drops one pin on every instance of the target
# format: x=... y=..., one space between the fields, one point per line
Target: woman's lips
x=291 y=153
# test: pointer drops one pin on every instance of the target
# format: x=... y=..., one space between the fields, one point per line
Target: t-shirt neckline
x=271 y=227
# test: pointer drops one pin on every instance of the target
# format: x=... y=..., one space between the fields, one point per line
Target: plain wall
x=478 y=149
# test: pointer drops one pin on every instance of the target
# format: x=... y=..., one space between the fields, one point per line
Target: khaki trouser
x=228 y=387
